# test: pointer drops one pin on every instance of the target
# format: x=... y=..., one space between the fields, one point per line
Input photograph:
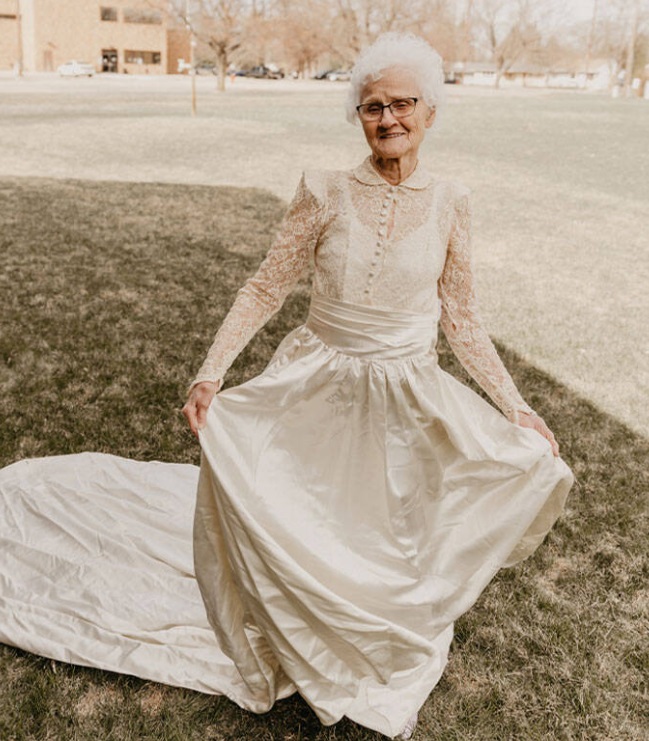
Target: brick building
x=113 y=35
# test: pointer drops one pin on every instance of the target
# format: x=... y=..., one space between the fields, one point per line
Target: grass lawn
x=559 y=185
x=111 y=293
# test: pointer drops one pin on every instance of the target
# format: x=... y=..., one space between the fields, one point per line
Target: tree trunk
x=222 y=67
x=630 y=49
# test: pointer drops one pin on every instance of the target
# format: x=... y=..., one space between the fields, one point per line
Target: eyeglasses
x=398 y=108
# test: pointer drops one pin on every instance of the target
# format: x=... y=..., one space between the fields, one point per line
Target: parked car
x=206 y=68
x=339 y=75
x=74 y=68
x=262 y=72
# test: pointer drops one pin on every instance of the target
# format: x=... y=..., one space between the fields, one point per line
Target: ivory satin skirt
x=352 y=501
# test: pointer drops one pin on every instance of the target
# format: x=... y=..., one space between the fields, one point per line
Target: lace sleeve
x=461 y=323
x=263 y=294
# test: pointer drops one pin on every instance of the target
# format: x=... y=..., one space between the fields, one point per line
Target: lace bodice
x=403 y=247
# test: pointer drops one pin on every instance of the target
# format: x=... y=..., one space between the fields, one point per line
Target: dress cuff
x=513 y=414
x=202 y=379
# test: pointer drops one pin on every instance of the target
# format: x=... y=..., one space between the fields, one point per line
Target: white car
x=339 y=75
x=76 y=69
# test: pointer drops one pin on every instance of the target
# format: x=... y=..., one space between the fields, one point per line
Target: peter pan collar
x=417 y=180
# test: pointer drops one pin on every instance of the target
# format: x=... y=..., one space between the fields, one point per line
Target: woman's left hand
x=537 y=423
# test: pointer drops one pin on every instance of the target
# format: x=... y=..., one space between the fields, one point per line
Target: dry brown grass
x=110 y=295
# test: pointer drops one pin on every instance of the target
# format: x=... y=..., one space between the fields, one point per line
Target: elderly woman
x=355 y=499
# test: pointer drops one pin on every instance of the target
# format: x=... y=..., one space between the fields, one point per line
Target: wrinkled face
x=390 y=137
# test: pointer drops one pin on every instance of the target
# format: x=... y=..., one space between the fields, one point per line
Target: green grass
x=111 y=293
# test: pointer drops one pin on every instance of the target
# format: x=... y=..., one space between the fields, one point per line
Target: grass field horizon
x=558 y=179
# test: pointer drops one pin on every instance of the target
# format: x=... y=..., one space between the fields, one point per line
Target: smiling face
x=393 y=138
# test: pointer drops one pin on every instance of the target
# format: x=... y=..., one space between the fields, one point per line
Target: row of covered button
x=382 y=231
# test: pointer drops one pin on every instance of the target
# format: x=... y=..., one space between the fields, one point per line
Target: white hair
x=398 y=50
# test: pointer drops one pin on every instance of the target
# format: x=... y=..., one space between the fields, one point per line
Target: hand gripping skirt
x=354 y=499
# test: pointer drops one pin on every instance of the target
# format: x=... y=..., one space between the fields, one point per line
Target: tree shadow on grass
x=111 y=295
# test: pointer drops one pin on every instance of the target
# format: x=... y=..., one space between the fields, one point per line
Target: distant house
x=524 y=74
x=598 y=76
x=112 y=35
x=474 y=73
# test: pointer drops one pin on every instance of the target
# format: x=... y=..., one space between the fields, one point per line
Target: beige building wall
x=56 y=32
x=177 y=48
x=130 y=38
x=8 y=34
x=61 y=31
x=28 y=37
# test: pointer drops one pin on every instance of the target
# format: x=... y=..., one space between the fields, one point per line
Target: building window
x=142 y=57
x=108 y=14
x=140 y=15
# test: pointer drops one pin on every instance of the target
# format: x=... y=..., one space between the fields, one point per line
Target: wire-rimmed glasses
x=401 y=108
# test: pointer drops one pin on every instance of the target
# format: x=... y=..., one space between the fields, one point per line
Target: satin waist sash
x=357 y=329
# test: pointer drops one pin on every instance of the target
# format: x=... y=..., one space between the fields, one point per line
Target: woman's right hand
x=197 y=404
x=533 y=421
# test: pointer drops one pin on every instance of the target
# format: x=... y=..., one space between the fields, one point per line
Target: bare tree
x=221 y=25
x=619 y=34
x=637 y=48
x=466 y=33
x=591 y=35
x=437 y=21
x=218 y=25
x=303 y=29
x=347 y=35
x=509 y=31
x=358 y=23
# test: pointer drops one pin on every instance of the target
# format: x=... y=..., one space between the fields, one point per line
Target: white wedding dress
x=353 y=500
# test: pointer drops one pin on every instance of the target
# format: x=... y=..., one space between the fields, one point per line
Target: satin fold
x=371 y=331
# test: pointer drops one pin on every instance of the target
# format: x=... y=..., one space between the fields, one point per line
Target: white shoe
x=408 y=729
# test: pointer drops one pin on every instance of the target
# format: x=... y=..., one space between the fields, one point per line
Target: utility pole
x=19 y=25
x=630 y=49
x=192 y=71
x=192 y=55
x=591 y=39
